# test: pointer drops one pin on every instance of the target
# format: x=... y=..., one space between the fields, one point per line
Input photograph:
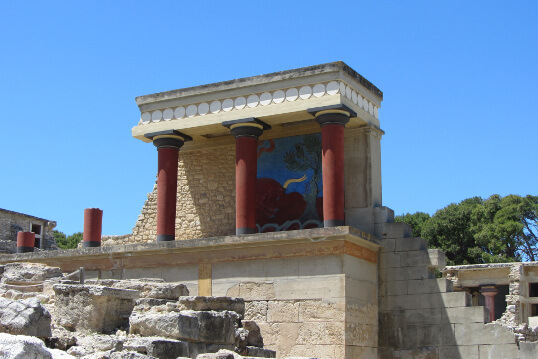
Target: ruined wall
x=13 y=222
x=205 y=199
x=420 y=316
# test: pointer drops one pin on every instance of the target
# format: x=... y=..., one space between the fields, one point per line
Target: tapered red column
x=168 y=144
x=25 y=242
x=489 y=292
x=332 y=124
x=246 y=134
x=93 y=223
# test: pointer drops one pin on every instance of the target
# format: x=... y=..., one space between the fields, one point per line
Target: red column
x=246 y=163
x=167 y=193
x=489 y=293
x=93 y=223
x=168 y=144
x=332 y=142
x=25 y=242
x=246 y=132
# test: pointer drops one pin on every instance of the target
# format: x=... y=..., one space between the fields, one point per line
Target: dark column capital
x=334 y=114
x=168 y=139
x=246 y=127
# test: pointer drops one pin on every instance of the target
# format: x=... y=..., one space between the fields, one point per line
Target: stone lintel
x=300 y=243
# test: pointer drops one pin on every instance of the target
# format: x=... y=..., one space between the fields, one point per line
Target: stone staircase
x=420 y=316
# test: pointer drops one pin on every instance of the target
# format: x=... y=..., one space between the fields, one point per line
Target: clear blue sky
x=459 y=80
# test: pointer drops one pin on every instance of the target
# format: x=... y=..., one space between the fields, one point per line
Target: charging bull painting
x=289 y=186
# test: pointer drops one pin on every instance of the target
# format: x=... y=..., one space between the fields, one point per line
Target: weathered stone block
x=397 y=230
x=22 y=346
x=256 y=311
x=93 y=308
x=477 y=333
x=197 y=326
x=24 y=317
x=499 y=351
x=411 y=244
x=321 y=310
x=445 y=300
x=201 y=303
x=29 y=273
x=283 y=311
x=148 y=287
x=167 y=349
x=465 y=315
x=321 y=333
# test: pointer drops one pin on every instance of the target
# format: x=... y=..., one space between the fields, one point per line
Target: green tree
x=416 y=220
x=498 y=229
x=67 y=242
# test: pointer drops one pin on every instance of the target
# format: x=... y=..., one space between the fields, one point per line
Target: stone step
x=461 y=315
x=396 y=230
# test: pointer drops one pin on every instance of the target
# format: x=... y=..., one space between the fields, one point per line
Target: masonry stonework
x=13 y=222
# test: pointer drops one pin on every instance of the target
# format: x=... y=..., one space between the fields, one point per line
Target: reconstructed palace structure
x=269 y=189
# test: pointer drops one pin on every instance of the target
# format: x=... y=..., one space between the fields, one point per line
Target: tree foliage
x=67 y=242
x=498 y=229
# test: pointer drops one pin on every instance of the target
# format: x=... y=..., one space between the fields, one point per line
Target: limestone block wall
x=12 y=222
x=421 y=317
x=205 y=199
x=322 y=306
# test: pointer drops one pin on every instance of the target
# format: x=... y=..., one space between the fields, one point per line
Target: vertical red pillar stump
x=333 y=122
x=93 y=224
x=489 y=292
x=168 y=144
x=25 y=242
x=246 y=133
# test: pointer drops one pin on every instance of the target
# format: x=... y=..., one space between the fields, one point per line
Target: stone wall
x=205 y=199
x=13 y=222
x=420 y=316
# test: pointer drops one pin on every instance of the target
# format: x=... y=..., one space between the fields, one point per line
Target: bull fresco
x=289 y=191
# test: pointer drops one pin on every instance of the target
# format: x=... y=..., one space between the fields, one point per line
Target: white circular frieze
x=371 y=108
x=214 y=107
x=156 y=116
x=359 y=100
x=319 y=90
x=333 y=88
x=278 y=96
x=348 y=92
x=265 y=99
x=145 y=117
x=292 y=94
x=168 y=114
x=342 y=88
x=179 y=112
x=253 y=100
x=365 y=104
x=227 y=105
x=305 y=92
x=240 y=103
x=354 y=96
x=191 y=110
x=203 y=108
x=376 y=113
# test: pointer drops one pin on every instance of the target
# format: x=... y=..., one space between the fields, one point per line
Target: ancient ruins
x=266 y=235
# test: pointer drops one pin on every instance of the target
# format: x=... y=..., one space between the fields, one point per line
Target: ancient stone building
x=13 y=222
x=269 y=189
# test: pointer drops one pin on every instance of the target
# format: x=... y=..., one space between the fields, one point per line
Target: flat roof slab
x=280 y=99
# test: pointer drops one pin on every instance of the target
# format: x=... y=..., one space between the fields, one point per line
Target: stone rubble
x=45 y=314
